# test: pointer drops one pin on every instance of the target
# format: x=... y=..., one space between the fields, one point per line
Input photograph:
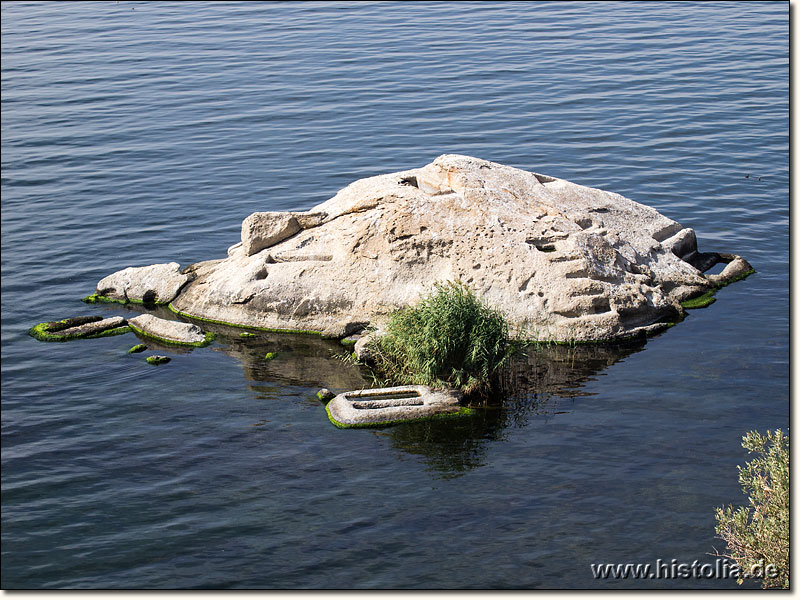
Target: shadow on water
x=536 y=383
x=301 y=360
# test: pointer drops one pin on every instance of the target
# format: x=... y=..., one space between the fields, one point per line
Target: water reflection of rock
x=539 y=377
x=535 y=383
x=302 y=360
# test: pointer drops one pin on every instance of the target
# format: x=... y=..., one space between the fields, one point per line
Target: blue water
x=135 y=133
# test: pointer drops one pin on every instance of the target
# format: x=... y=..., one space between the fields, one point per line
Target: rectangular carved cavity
x=371 y=404
x=381 y=394
x=55 y=326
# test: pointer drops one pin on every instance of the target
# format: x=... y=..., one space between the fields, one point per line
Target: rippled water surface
x=137 y=133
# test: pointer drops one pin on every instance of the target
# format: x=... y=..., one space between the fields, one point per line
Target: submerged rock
x=172 y=332
x=563 y=261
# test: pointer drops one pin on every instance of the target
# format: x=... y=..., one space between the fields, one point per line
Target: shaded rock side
x=563 y=261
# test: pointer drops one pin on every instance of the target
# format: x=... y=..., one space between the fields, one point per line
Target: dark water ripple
x=138 y=132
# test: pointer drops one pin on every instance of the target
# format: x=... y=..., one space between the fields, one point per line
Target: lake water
x=136 y=133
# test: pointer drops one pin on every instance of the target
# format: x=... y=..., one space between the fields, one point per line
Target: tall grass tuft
x=449 y=339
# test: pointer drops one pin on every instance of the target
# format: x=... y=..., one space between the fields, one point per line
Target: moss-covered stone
x=157 y=359
x=247 y=334
x=137 y=348
x=59 y=331
x=98 y=299
x=110 y=332
x=462 y=412
x=737 y=278
x=700 y=301
x=325 y=395
x=270 y=355
x=708 y=298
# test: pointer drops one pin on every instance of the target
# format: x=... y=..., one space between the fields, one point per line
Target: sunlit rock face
x=562 y=261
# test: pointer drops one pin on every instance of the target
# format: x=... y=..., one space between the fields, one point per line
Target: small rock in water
x=157 y=359
x=137 y=348
x=325 y=394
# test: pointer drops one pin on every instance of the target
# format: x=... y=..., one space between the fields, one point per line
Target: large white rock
x=561 y=260
x=157 y=284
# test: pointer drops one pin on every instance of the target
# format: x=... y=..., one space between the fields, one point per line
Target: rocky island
x=562 y=261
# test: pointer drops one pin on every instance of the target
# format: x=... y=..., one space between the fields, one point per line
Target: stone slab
x=174 y=332
x=79 y=327
x=382 y=406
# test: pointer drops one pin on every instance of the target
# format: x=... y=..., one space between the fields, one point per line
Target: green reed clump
x=449 y=339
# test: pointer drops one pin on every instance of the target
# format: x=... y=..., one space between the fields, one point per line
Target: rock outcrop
x=156 y=284
x=561 y=260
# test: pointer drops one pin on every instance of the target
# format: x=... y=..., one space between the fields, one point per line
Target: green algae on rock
x=157 y=359
x=324 y=395
x=79 y=328
x=708 y=298
x=137 y=348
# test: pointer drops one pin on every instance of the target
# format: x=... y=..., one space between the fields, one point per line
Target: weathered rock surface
x=561 y=260
x=156 y=284
x=79 y=327
x=175 y=332
x=382 y=406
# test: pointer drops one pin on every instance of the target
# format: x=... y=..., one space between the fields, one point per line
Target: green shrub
x=449 y=339
x=758 y=535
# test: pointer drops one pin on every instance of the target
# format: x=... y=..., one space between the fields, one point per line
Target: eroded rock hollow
x=562 y=261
